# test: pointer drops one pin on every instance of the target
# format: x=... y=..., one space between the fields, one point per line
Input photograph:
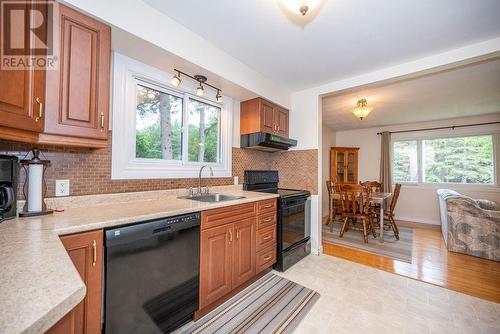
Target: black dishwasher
x=151 y=275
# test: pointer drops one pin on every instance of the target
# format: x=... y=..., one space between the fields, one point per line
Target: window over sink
x=163 y=132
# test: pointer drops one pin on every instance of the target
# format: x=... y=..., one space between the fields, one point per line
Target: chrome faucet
x=199 y=177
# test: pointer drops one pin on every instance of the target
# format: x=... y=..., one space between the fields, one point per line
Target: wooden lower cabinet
x=85 y=250
x=243 y=251
x=228 y=252
x=215 y=263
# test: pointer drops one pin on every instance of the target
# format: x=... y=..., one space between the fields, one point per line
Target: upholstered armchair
x=470 y=226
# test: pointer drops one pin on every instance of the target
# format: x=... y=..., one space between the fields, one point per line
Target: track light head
x=218 y=97
x=176 y=79
x=200 y=90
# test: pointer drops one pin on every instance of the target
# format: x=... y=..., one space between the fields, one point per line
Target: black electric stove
x=293 y=218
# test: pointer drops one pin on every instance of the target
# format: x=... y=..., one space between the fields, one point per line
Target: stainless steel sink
x=212 y=198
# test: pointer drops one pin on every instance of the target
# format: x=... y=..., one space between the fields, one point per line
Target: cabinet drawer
x=266 y=220
x=266 y=237
x=267 y=206
x=266 y=258
x=229 y=214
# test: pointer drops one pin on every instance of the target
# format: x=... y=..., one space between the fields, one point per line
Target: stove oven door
x=294 y=221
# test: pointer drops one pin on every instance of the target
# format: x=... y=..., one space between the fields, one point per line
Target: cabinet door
x=281 y=121
x=244 y=251
x=267 y=117
x=78 y=92
x=22 y=91
x=85 y=250
x=351 y=169
x=339 y=166
x=216 y=247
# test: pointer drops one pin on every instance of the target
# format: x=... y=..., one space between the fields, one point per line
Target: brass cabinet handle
x=267 y=206
x=267 y=237
x=94 y=253
x=267 y=258
x=237 y=234
x=40 y=109
x=102 y=121
x=267 y=220
x=230 y=236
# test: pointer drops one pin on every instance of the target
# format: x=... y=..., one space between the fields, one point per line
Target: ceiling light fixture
x=176 y=79
x=361 y=110
x=201 y=79
x=300 y=7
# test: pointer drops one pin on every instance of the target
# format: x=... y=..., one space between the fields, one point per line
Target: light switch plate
x=62 y=188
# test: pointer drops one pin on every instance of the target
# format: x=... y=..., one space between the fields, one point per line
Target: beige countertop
x=38 y=282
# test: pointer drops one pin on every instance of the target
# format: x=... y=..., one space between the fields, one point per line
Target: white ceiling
x=466 y=91
x=340 y=39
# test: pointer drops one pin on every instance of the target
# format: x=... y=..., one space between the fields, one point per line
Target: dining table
x=379 y=198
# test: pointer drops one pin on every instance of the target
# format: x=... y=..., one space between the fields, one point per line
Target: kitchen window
x=163 y=132
x=467 y=160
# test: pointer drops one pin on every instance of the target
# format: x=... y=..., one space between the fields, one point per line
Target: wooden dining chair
x=334 y=206
x=389 y=214
x=373 y=187
x=355 y=207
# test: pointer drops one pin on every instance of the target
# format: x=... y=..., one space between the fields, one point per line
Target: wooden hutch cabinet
x=259 y=115
x=344 y=165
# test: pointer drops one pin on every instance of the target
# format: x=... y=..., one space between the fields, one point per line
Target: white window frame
x=127 y=73
x=493 y=131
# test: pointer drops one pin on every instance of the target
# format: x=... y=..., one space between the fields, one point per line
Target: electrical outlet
x=62 y=187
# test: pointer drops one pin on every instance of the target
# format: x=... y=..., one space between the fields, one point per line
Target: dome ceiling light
x=300 y=7
x=361 y=110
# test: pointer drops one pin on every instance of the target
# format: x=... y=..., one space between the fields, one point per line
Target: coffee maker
x=9 y=173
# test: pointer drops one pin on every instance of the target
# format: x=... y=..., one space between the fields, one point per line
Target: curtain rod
x=453 y=127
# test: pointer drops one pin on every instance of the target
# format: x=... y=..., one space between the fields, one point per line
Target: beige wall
x=417 y=203
x=328 y=140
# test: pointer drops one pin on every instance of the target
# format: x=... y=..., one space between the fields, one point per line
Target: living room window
x=163 y=132
x=466 y=160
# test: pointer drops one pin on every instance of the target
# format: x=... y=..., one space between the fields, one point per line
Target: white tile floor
x=360 y=299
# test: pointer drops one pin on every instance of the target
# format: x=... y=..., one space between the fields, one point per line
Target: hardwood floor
x=432 y=263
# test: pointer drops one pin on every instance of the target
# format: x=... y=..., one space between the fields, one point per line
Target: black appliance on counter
x=9 y=174
x=294 y=223
x=268 y=142
x=152 y=275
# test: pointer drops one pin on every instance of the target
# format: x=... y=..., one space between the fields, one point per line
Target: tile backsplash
x=89 y=170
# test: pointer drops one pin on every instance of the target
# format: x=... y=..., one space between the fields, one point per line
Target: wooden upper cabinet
x=78 y=91
x=68 y=104
x=244 y=251
x=281 y=119
x=216 y=248
x=86 y=252
x=259 y=115
x=22 y=91
x=344 y=165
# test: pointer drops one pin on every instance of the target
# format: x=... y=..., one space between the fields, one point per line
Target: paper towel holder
x=44 y=164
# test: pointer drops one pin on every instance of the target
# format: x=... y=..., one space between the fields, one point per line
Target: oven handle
x=298 y=244
x=294 y=200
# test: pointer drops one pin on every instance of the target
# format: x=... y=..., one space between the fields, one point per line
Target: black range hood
x=266 y=142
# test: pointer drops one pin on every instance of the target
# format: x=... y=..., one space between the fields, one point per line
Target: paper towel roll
x=35 y=188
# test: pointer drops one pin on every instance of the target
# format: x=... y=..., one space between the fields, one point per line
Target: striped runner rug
x=397 y=249
x=272 y=304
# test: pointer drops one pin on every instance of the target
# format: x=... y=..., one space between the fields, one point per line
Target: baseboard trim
x=317 y=251
x=416 y=220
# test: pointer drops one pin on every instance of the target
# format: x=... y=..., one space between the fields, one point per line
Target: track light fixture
x=202 y=80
